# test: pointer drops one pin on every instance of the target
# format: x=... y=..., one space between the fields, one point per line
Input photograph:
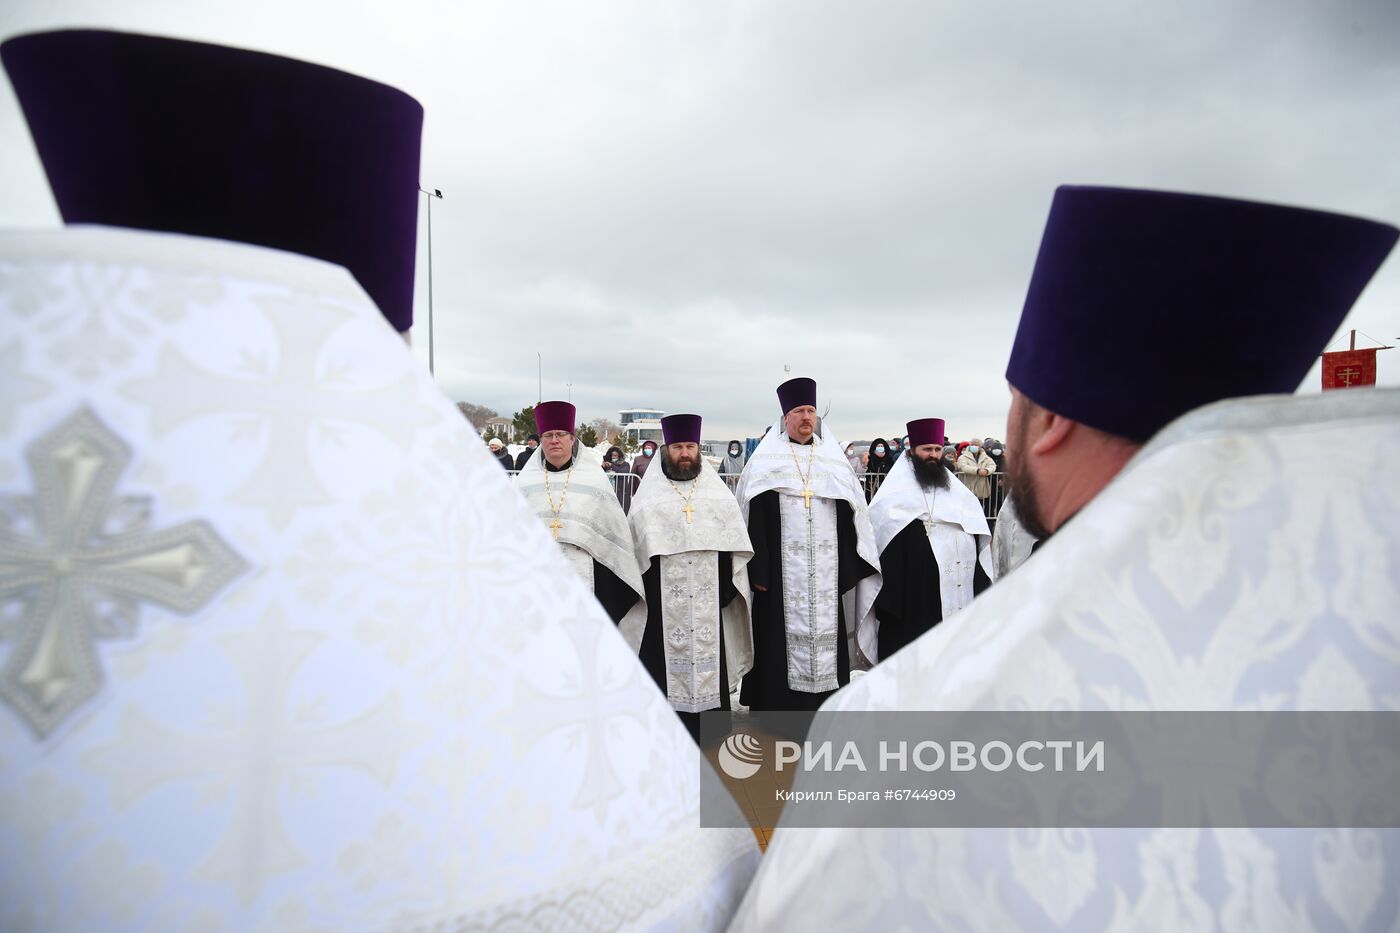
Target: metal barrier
x=625 y=484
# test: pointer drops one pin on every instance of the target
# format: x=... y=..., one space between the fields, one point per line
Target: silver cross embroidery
x=77 y=562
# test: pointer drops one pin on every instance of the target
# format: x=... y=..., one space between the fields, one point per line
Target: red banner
x=1348 y=368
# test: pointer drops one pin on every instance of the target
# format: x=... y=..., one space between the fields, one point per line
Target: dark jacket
x=524 y=455
x=623 y=487
x=640 y=463
x=878 y=464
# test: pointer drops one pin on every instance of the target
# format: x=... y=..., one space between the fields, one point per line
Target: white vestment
x=809 y=549
x=955 y=527
x=1011 y=543
x=687 y=545
x=282 y=647
x=592 y=526
x=1221 y=570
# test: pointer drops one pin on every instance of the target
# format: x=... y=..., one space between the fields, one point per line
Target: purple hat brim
x=555 y=416
x=796 y=393
x=187 y=137
x=1144 y=305
x=681 y=429
x=926 y=431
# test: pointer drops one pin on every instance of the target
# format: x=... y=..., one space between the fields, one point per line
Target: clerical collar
x=558 y=469
x=807 y=443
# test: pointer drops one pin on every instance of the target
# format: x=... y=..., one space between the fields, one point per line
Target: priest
x=1197 y=563
x=572 y=496
x=815 y=568
x=934 y=545
x=281 y=648
x=693 y=552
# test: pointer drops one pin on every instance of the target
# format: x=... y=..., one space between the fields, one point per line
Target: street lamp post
x=435 y=193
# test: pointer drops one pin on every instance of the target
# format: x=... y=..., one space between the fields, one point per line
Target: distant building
x=641 y=424
x=503 y=428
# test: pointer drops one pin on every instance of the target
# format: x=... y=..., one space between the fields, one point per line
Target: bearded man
x=693 y=551
x=934 y=545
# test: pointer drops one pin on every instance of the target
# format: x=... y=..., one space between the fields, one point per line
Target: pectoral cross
x=689 y=511
x=807 y=498
x=556 y=525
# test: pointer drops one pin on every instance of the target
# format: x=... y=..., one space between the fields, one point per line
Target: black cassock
x=766 y=686
x=616 y=597
x=653 y=651
x=910 y=601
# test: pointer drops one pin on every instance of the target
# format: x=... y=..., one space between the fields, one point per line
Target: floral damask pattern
x=1219 y=571
x=406 y=666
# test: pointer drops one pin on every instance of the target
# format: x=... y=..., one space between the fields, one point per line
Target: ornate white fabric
x=772 y=468
x=346 y=679
x=593 y=521
x=660 y=531
x=1221 y=570
x=810 y=598
x=581 y=562
x=956 y=529
x=690 y=630
x=955 y=556
x=1011 y=543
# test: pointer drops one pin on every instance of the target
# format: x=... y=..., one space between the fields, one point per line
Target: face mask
x=996 y=451
x=647 y=451
x=973 y=447
x=879 y=450
x=733 y=451
x=614 y=458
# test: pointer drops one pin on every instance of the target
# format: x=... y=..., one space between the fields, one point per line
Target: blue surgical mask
x=880 y=449
x=973 y=447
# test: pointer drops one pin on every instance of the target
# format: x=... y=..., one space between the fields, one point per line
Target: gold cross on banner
x=807 y=498
x=556 y=525
x=689 y=511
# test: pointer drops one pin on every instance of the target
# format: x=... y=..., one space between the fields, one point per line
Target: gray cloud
x=669 y=202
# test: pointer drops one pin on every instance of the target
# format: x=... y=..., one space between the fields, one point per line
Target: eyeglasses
x=555 y=435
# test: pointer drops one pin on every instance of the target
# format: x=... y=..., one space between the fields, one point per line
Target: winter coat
x=968 y=465
x=623 y=487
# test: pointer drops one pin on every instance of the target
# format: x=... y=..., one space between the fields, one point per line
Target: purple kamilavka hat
x=681 y=429
x=187 y=137
x=797 y=392
x=1145 y=305
x=554 y=416
x=925 y=431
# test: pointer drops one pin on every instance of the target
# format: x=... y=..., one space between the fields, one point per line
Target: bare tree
x=606 y=430
x=476 y=414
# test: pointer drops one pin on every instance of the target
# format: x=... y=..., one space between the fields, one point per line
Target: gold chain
x=811 y=452
x=558 y=522
x=685 y=500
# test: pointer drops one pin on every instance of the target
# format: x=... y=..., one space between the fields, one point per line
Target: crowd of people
x=979 y=463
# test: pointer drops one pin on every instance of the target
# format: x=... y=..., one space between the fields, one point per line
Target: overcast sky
x=670 y=201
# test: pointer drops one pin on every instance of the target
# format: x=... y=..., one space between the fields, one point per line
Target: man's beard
x=1020 y=484
x=931 y=472
x=674 y=471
